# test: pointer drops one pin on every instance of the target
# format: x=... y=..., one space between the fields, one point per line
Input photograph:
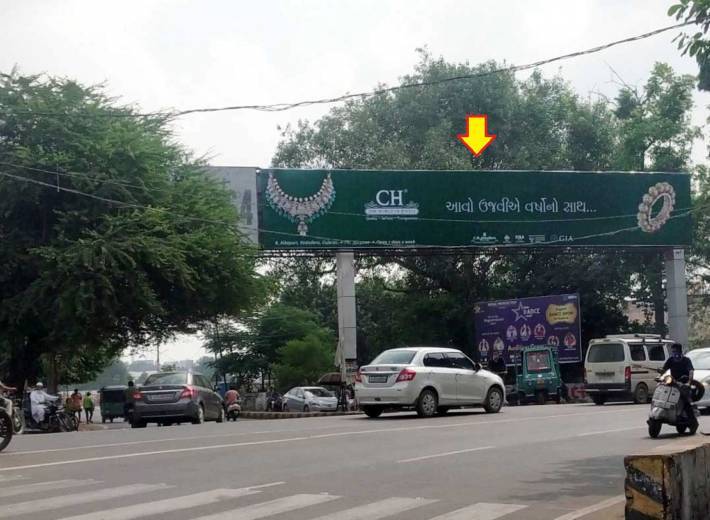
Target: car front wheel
x=427 y=403
x=220 y=417
x=494 y=400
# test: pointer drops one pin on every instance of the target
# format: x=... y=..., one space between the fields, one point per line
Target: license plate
x=378 y=379
x=162 y=397
x=604 y=374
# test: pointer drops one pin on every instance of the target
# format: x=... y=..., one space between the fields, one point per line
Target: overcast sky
x=164 y=54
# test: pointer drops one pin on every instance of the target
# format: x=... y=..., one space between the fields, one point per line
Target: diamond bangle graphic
x=300 y=210
x=661 y=191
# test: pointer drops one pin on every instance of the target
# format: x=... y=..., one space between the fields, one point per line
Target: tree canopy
x=112 y=234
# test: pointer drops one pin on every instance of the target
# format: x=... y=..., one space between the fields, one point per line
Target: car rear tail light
x=627 y=374
x=358 y=376
x=137 y=396
x=189 y=392
x=406 y=374
x=585 y=376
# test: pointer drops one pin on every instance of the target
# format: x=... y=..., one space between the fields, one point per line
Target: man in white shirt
x=38 y=402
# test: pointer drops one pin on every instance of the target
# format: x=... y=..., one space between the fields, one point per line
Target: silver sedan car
x=429 y=380
x=310 y=399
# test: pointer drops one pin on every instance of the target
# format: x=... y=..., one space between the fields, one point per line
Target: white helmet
x=39 y=385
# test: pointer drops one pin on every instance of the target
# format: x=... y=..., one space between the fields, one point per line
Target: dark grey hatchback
x=175 y=397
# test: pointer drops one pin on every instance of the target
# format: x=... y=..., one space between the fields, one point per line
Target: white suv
x=429 y=379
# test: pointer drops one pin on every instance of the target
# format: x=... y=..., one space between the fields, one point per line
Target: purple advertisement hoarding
x=509 y=325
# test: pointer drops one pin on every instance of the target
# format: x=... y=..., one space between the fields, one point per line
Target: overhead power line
x=280 y=107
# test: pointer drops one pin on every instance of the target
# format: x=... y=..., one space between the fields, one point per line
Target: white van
x=623 y=366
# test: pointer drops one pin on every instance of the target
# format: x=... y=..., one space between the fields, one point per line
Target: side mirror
x=476 y=366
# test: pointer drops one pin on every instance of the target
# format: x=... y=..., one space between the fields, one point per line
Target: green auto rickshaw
x=536 y=377
x=112 y=400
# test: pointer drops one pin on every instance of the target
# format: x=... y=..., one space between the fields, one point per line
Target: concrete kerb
x=670 y=482
x=290 y=415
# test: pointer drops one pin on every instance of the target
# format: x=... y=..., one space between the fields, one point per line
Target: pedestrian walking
x=89 y=408
x=76 y=402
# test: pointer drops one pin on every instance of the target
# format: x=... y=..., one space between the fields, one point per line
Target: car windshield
x=700 y=359
x=606 y=353
x=318 y=392
x=394 y=357
x=167 y=378
x=538 y=361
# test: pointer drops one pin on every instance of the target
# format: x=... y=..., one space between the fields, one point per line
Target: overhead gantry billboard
x=368 y=209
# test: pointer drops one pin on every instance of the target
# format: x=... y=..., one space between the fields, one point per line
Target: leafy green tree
x=303 y=361
x=695 y=45
x=113 y=236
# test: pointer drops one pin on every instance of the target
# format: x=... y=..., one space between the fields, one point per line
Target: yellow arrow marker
x=477 y=138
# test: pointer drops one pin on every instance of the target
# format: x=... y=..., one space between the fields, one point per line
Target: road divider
x=670 y=482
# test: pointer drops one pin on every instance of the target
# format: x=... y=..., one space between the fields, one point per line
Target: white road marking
x=296 y=439
x=168 y=439
x=574 y=515
x=167 y=506
x=11 y=478
x=76 y=499
x=41 y=487
x=377 y=510
x=602 y=432
x=481 y=511
x=270 y=508
x=444 y=454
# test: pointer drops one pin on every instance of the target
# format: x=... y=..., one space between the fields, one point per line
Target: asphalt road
x=534 y=462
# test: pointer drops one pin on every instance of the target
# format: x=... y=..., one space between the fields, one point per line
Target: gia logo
x=483 y=346
x=300 y=210
x=540 y=331
x=553 y=341
x=511 y=333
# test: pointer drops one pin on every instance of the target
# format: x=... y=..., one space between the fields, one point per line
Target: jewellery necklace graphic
x=661 y=191
x=301 y=210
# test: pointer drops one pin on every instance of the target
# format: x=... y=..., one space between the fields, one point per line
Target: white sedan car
x=701 y=364
x=430 y=380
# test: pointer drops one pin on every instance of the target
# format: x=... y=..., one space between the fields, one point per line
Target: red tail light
x=407 y=374
x=137 y=396
x=627 y=374
x=358 y=376
x=585 y=376
x=189 y=392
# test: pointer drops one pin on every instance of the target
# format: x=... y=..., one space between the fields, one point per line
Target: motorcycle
x=233 y=410
x=18 y=421
x=55 y=420
x=668 y=406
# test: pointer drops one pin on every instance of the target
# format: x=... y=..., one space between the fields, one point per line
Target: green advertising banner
x=350 y=209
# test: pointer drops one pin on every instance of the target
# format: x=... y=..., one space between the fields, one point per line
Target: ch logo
x=390 y=197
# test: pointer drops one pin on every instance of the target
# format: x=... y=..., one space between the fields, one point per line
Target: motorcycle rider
x=231 y=396
x=681 y=367
x=38 y=402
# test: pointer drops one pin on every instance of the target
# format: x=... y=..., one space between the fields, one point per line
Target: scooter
x=233 y=410
x=668 y=407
